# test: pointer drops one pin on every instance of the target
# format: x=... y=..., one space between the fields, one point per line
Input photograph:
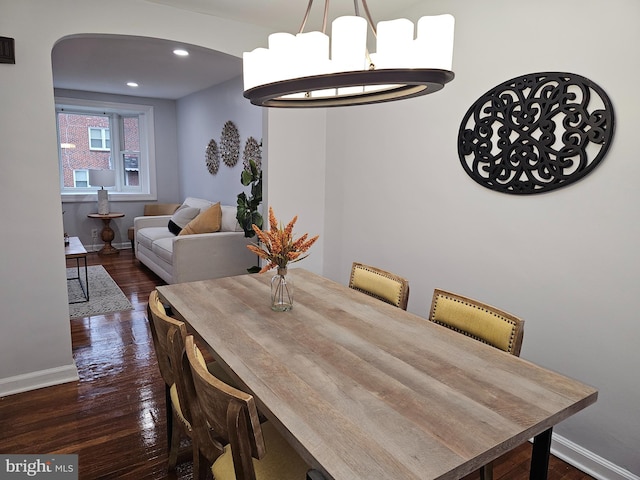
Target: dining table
x=363 y=390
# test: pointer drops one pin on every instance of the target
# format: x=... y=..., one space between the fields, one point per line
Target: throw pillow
x=206 y=222
x=181 y=218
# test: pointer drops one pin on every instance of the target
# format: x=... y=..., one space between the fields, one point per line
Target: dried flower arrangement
x=278 y=245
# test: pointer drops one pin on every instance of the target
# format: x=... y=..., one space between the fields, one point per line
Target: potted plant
x=247 y=212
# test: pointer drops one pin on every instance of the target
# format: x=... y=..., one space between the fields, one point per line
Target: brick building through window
x=85 y=143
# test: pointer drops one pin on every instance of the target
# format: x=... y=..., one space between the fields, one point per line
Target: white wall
x=201 y=118
x=295 y=175
x=396 y=196
x=35 y=345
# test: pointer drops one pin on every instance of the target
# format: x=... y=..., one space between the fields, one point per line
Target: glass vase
x=281 y=291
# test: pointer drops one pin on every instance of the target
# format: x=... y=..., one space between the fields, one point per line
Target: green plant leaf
x=254 y=169
x=246 y=178
x=247 y=209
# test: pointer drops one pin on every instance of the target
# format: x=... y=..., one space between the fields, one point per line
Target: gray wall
x=201 y=118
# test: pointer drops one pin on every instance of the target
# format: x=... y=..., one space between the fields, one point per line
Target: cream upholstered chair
x=383 y=285
x=479 y=321
x=224 y=415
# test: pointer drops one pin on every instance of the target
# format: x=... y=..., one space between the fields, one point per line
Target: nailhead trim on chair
x=505 y=319
x=397 y=302
x=382 y=274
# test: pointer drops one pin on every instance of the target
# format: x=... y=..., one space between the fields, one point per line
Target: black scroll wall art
x=536 y=133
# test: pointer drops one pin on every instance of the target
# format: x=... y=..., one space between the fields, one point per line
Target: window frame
x=75 y=180
x=103 y=139
x=146 y=162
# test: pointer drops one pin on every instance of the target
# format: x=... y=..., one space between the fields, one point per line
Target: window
x=80 y=178
x=99 y=139
x=103 y=135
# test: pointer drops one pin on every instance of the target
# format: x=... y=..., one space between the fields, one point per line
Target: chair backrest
x=478 y=320
x=380 y=284
x=160 y=208
x=161 y=326
x=222 y=410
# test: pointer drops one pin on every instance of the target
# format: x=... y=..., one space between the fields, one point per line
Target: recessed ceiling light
x=132 y=84
x=181 y=52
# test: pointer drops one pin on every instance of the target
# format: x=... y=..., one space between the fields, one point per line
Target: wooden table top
x=75 y=249
x=364 y=390
x=106 y=216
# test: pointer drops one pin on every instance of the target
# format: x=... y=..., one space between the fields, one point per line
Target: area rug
x=104 y=294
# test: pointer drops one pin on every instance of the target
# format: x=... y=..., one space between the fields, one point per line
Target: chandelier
x=310 y=70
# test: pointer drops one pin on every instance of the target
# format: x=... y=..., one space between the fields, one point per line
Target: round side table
x=107 y=233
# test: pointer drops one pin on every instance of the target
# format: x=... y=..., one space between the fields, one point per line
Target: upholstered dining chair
x=482 y=322
x=478 y=320
x=226 y=420
x=380 y=284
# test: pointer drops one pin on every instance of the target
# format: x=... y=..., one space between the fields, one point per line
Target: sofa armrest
x=211 y=255
x=151 y=221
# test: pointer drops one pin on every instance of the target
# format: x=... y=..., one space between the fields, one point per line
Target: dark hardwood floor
x=114 y=416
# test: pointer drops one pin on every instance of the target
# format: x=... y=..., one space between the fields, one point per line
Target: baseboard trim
x=93 y=248
x=587 y=461
x=39 y=379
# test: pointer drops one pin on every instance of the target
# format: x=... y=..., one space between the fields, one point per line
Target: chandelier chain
x=356 y=8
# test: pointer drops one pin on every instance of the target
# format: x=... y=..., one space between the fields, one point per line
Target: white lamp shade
x=435 y=42
x=312 y=53
x=281 y=50
x=394 y=43
x=256 y=67
x=102 y=178
x=348 y=43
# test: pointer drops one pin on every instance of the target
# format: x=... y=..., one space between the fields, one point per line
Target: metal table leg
x=85 y=291
x=540 y=456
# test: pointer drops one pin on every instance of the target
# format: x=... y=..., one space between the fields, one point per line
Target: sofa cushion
x=181 y=218
x=154 y=209
x=229 y=222
x=146 y=236
x=207 y=221
x=200 y=203
x=163 y=248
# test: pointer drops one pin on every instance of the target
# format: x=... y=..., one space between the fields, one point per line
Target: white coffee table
x=75 y=250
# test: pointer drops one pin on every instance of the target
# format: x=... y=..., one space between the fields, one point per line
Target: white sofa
x=187 y=258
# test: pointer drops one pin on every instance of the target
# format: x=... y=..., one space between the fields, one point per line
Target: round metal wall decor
x=230 y=144
x=252 y=151
x=536 y=133
x=212 y=157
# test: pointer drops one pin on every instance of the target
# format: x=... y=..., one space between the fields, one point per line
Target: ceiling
x=286 y=15
x=105 y=63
